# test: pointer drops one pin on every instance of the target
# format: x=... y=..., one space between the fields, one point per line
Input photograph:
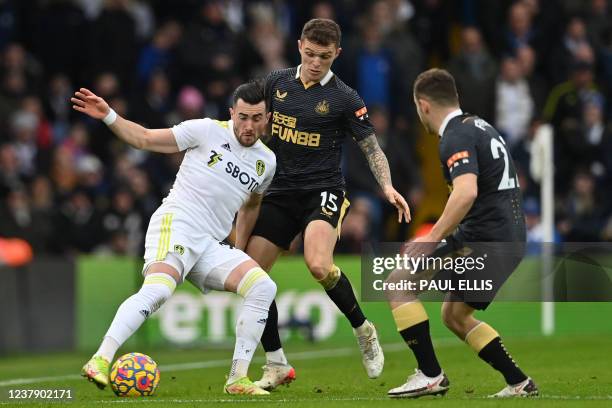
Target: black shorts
x=500 y=259
x=284 y=215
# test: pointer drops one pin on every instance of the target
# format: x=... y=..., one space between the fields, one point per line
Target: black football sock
x=485 y=341
x=343 y=296
x=496 y=355
x=419 y=340
x=413 y=325
x=270 y=339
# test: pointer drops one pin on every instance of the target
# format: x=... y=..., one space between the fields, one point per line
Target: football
x=134 y=375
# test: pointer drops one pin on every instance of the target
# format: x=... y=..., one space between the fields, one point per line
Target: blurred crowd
x=67 y=185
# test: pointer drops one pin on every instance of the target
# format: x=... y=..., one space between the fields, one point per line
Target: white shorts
x=198 y=257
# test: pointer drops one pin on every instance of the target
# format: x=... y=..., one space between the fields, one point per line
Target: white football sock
x=258 y=291
x=155 y=290
x=276 y=357
x=108 y=348
x=240 y=368
x=365 y=329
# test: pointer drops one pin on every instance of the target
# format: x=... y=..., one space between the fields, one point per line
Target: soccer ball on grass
x=134 y=375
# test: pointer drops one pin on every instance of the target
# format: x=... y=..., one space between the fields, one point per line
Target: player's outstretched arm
x=155 y=140
x=246 y=218
x=380 y=169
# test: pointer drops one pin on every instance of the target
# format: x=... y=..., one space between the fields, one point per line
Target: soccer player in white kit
x=225 y=171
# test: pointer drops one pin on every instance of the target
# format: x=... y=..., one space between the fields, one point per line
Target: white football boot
x=275 y=375
x=526 y=388
x=371 y=353
x=418 y=385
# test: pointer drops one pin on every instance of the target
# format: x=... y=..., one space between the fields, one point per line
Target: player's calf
x=258 y=291
x=339 y=289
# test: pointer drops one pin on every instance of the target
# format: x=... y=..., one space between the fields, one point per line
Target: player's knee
x=319 y=269
x=258 y=286
x=453 y=319
x=447 y=319
x=328 y=278
x=266 y=289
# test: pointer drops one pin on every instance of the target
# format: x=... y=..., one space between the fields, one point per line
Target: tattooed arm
x=377 y=160
x=380 y=169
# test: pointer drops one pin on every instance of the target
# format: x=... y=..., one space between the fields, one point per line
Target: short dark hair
x=322 y=31
x=251 y=92
x=437 y=85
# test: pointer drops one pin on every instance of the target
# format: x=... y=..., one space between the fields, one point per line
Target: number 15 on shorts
x=329 y=201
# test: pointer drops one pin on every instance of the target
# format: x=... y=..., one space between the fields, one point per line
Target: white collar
x=323 y=81
x=453 y=114
x=233 y=139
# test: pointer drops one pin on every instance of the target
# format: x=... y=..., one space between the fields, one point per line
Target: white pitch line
x=324 y=399
x=316 y=399
x=304 y=355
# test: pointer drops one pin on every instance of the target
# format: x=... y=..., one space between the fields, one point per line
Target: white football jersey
x=216 y=177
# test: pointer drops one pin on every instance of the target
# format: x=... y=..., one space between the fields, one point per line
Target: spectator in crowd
x=60 y=38
x=564 y=110
x=58 y=111
x=80 y=223
x=474 y=68
x=582 y=213
x=598 y=22
x=24 y=126
x=209 y=47
x=19 y=220
x=520 y=31
x=538 y=85
x=513 y=103
x=588 y=145
x=573 y=46
x=122 y=218
x=151 y=108
x=113 y=42
x=11 y=177
x=431 y=29
x=190 y=105
x=159 y=54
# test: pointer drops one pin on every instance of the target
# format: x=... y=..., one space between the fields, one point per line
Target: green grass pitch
x=570 y=371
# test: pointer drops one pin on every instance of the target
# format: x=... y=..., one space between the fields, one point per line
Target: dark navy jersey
x=470 y=145
x=309 y=126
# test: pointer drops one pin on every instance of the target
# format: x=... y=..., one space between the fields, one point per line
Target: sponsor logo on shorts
x=326 y=212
